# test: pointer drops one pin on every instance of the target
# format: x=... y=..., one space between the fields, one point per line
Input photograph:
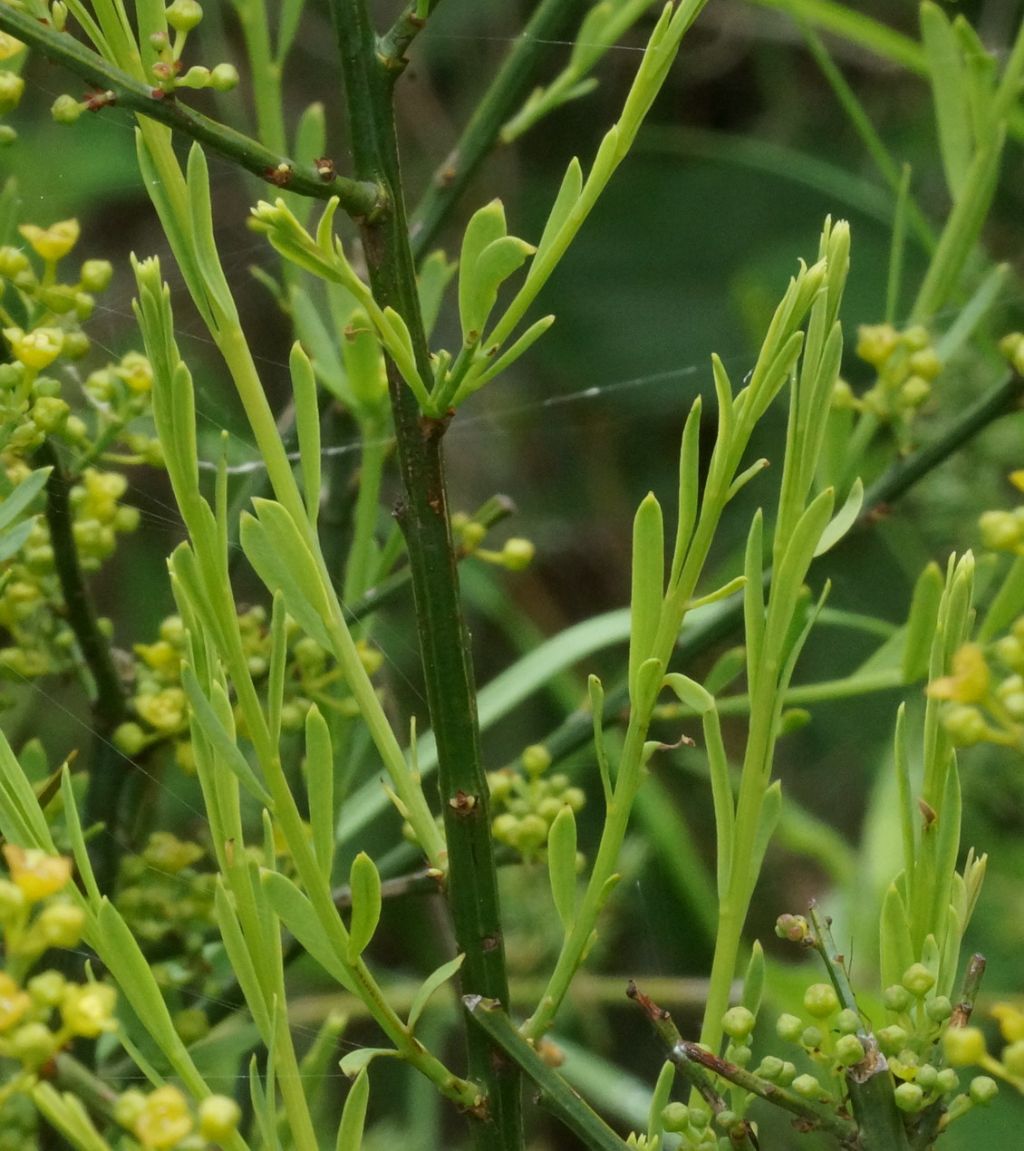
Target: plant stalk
x=424 y=519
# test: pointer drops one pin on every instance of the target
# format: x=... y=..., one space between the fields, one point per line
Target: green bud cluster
x=526 y=801
x=906 y=365
x=12 y=86
x=515 y=554
x=183 y=16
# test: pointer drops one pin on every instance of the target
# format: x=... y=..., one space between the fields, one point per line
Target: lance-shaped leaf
x=689 y=488
x=567 y=198
x=562 y=866
x=307 y=426
x=223 y=743
x=296 y=912
x=364 y=363
x=753 y=980
x=14 y=505
x=364 y=882
x=353 y=1115
x=320 y=787
x=843 y=520
x=950 y=94
x=486 y=225
x=648 y=585
x=924 y=614
x=356 y=1061
x=283 y=561
x=427 y=988
x=896 y=950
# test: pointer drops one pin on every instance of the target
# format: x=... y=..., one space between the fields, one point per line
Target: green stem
x=357 y=198
x=424 y=519
x=395 y=42
x=265 y=73
x=869 y=1083
x=110 y=769
x=359 y=562
x=550 y=20
x=556 y=1095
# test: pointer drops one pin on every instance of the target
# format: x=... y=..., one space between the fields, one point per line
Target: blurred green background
x=745 y=153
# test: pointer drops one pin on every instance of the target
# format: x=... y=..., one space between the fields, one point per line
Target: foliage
x=268 y=703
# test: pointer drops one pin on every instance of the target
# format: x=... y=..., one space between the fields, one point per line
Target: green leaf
x=689 y=488
x=478 y=295
x=320 y=788
x=73 y=826
x=648 y=581
x=241 y=959
x=432 y=278
x=204 y=243
x=296 y=912
x=282 y=559
x=725 y=669
x=924 y=614
x=222 y=742
x=567 y=198
x=519 y=347
x=595 y=690
x=14 y=539
x=356 y=1061
x=843 y=520
x=771 y=810
x=896 y=951
x=364 y=881
x=753 y=596
x=353 y=1115
x=753 y=980
x=307 y=427
x=698 y=699
x=427 y=988
x=21 y=819
x=949 y=92
x=562 y=866
x=486 y=225
x=13 y=505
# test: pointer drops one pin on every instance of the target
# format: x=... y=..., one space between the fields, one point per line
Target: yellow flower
x=165 y=710
x=963 y=1046
x=54 y=242
x=36 y=349
x=1011 y=1021
x=9 y=46
x=136 y=372
x=969 y=682
x=88 y=1009
x=13 y=1002
x=36 y=873
x=1017 y=479
x=164 y=1120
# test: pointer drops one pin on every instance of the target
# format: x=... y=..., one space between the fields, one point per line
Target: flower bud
x=32 y=1044
x=947 y=1081
x=790 y=1028
x=219 y=1117
x=49 y=414
x=966 y=725
x=88 y=1009
x=938 y=1009
x=536 y=760
x=983 y=1090
x=807 y=1086
x=1000 y=530
x=47 y=988
x=909 y=1097
x=891 y=1039
x=770 y=1068
x=738 y=1022
x=36 y=349
x=847 y=1021
x=184 y=15
x=811 y=1037
x=66 y=109
x=675 y=1117
x=927 y=1076
x=963 y=1046
x=96 y=275
x=1013 y=1058
x=517 y=554
x=52 y=243
x=849 y=1050
x=11 y=88
x=223 y=78
x=820 y=1000
x=60 y=925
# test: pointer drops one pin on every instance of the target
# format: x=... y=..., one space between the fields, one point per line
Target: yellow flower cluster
x=41 y=1013
x=967 y=1046
x=159 y=703
x=164 y=1120
x=984 y=694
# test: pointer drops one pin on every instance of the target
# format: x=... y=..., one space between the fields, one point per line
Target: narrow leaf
x=364 y=881
x=949 y=92
x=297 y=914
x=320 y=788
x=843 y=520
x=353 y=1115
x=485 y=226
x=565 y=201
x=647 y=590
x=924 y=614
x=307 y=426
x=427 y=988
x=13 y=505
x=562 y=866
x=689 y=488
x=356 y=1061
x=753 y=980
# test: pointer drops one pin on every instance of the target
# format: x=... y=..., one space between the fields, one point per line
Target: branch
x=107 y=774
x=556 y=1095
x=425 y=523
x=550 y=21
x=393 y=45
x=357 y=198
x=695 y=1062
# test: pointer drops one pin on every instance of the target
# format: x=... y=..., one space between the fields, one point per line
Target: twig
x=357 y=198
x=509 y=87
x=556 y=1095
x=393 y=45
